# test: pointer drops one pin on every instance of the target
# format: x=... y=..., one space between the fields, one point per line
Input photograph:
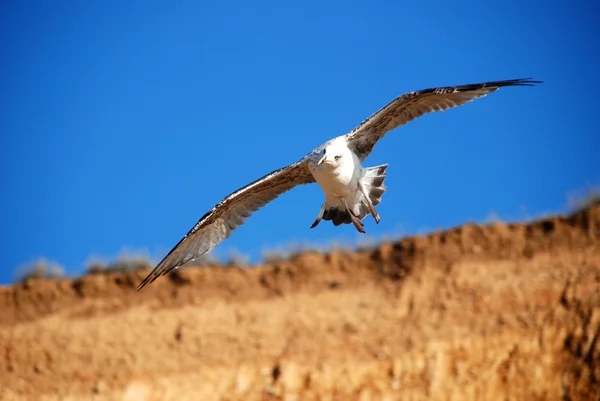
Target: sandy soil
x=499 y=312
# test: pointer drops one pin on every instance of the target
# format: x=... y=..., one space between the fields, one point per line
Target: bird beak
x=322 y=160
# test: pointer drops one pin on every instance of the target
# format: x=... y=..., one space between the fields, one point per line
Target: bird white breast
x=340 y=181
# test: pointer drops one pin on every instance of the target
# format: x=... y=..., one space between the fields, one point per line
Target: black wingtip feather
x=500 y=84
x=480 y=85
x=151 y=277
x=516 y=82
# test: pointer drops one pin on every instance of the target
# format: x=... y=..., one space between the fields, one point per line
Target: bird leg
x=318 y=219
x=355 y=220
x=369 y=204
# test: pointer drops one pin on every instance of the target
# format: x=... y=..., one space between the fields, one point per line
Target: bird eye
x=337 y=157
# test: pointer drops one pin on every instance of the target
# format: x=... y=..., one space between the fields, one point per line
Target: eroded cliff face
x=477 y=313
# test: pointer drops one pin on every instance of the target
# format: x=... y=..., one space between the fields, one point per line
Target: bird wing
x=411 y=105
x=227 y=215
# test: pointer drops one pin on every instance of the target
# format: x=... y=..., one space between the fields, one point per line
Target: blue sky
x=124 y=122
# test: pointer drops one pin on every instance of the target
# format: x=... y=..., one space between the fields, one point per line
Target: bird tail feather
x=372 y=182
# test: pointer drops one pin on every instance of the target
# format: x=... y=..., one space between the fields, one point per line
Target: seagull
x=351 y=190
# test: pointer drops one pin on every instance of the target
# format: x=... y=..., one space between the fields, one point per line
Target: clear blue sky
x=124 y=122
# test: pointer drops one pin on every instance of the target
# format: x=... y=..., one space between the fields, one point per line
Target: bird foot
x=355 y=220
x=369 y=204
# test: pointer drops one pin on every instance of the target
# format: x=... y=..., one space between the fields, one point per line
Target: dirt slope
x=500 y=312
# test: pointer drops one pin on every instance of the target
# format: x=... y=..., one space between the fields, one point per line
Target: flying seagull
x=351 y=190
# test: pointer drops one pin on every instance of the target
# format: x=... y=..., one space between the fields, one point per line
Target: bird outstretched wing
x=411 y=105
x=227 y=215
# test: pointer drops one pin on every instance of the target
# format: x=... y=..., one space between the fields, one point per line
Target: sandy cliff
x=499 y=312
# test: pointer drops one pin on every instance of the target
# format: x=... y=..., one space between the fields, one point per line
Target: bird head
x=333 y=154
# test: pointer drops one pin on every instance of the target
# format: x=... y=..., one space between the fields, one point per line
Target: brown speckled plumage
x=218 y=224
x=411 y=105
